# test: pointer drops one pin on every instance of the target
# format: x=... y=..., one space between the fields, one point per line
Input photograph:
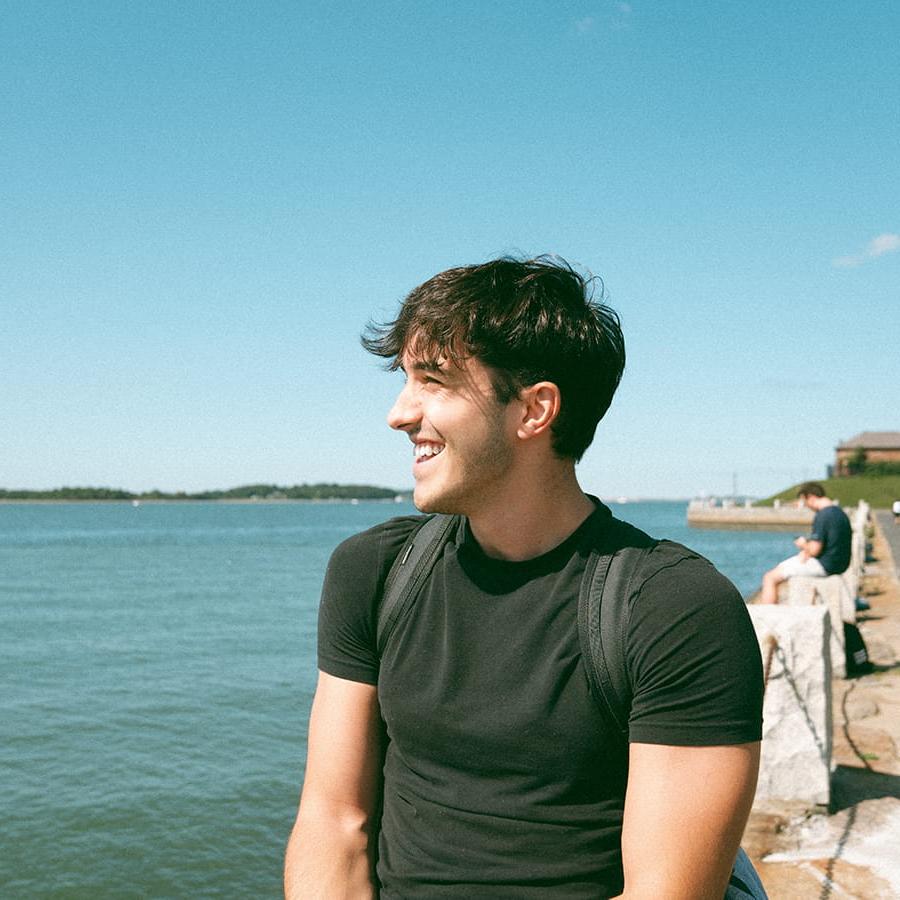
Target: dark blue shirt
x=832 y=527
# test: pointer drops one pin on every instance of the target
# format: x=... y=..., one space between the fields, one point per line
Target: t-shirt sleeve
x=821 y=526
x=692 y=654
x=348 y=609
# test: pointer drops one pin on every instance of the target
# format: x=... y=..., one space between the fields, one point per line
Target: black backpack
x=856 y=653
x=603 y=612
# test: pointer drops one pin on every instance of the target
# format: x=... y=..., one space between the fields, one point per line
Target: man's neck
x=534 y=520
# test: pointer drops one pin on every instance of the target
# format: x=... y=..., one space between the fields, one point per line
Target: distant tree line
x=858 y=464
x=245 y=492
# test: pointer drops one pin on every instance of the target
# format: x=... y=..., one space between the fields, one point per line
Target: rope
x=770 y=645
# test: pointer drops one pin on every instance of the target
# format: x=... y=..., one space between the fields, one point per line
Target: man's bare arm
x=812 y=547
x=331 y=849
x=808 y=546
x=685 y=812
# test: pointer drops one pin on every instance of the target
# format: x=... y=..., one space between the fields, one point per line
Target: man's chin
x=424 y=504
x=431 y=502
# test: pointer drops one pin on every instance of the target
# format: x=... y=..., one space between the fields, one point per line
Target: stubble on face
x=478 y=455
x=477 y=465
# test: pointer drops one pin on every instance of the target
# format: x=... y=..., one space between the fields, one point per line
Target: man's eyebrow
x=428 y=365
x=433 y=365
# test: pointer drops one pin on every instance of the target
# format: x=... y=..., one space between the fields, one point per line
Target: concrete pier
x=763 y=518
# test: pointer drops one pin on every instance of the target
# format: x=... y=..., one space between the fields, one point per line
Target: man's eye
x=429 y=380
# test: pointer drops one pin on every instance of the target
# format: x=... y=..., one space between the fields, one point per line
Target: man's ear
x=541 y=404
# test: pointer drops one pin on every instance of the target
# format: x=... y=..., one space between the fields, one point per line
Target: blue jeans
x=744 y=882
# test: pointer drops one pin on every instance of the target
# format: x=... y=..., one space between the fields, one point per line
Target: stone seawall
x=768 y=518
x=850 y=851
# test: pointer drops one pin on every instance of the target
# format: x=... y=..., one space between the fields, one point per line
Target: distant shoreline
x=246 y=493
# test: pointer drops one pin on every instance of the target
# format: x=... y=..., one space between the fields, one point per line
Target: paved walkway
x=851 y=852
x=891 y=534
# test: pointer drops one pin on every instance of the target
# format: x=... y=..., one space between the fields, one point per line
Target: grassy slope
x=880 y=491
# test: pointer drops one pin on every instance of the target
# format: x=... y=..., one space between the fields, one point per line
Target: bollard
x=832 y=593
x=796 y=749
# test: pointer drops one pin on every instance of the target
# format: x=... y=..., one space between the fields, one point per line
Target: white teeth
x=422 y=450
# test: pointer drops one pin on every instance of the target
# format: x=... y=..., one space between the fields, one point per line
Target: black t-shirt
x=502 y=776
x=832 y=527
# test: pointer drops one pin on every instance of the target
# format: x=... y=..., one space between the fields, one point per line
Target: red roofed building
x=879 y=446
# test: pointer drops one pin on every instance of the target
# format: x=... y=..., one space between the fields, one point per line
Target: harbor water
x=158 y=667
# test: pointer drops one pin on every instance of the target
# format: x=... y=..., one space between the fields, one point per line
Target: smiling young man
x=466 y=756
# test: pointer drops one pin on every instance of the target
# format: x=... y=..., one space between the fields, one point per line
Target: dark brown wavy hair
x=528 y=320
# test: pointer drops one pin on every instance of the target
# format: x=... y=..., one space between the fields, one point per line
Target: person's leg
x=770 y=582
x=788 y=568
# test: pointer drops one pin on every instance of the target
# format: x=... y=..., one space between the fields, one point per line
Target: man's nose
x=404 y=414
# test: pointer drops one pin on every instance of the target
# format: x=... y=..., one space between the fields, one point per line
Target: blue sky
x=203 y=203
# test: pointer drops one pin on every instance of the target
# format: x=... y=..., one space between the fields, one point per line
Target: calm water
x=157 y=668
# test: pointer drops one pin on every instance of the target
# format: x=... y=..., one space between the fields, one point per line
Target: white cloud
x=878 y=246
x=884 y=243
x=611 y=14
x=846 y=262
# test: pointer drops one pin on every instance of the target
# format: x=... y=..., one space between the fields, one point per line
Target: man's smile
x=424 y=450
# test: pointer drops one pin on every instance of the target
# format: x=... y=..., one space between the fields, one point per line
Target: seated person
x=825 y=552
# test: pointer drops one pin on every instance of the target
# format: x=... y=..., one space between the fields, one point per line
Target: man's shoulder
x=666 y=554
x=670 y=569
x=833 y=513
x=667 y=563
x=358 y=568
x=657 y=553
x=383 y=540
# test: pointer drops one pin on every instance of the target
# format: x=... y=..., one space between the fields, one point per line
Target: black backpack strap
x=409 y=571
x=603 y=613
